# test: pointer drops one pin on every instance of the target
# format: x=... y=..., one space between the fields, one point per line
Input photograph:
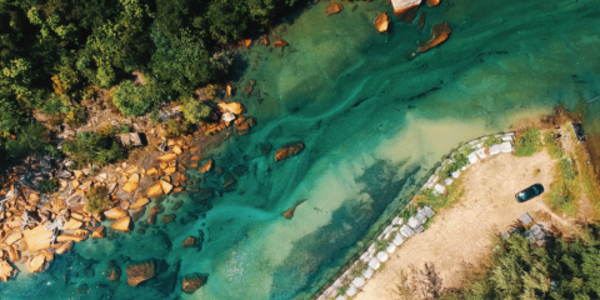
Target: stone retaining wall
x=398 y=231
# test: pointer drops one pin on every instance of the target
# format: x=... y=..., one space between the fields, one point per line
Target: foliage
x=133 y=100
x=195 y=111
x=76 y=116
x=529 y=143
x=48 y=186
x=455 y=191
x=552 y=145
x=175 y=128
x=27 y=140
x=155 y=117
x=492 y=140
x=91 y=147
x=565 y=190
x=97 y=198
x=588 y=180
x=106 y=130
x=460 y=160
x=562 y=270
x=124 y=129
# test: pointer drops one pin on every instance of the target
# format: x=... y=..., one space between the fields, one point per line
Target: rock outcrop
x=38 y=238
x=382 y=23
x=122 y=225
x=140 y=272
x=440 y=34
x=194 y=281
x=115 y=213
x=6 y=270
x=289 y=151
x=36 y=263
x=333 y=8
x=98 y=233
x=280 y=44
x=113 y=272
x=154 y=191
x=139 y=203
x=132 y=183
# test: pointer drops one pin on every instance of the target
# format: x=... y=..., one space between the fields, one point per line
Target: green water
x=373 y=123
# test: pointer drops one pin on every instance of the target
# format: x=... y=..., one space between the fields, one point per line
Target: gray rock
x=413 y=222
x=525 y=218
x=407 y=231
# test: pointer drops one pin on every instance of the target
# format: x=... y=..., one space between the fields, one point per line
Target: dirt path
x=461 y=234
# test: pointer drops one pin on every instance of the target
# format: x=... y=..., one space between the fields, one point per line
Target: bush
x=106 y=130
x=76 y=117
x=529 y=143
x=492 y=140
x=133 y=100
x=195 y=111
x=124 y=129
x=460 y=160
x=553 y=146
x=565 y=190
x=155 y=117
x=48 y=186
x=97 y=198
x=175 y=128
x=90 y=147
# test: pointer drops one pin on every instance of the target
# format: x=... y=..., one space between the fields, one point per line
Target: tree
x=133 y=100
x=195 y=111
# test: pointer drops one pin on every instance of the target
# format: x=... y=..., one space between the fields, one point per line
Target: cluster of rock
x=534 y=232
x=231 y=114
x=478 y=152
x=392 y=237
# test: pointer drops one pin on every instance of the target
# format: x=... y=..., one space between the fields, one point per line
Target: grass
x=553 y=146
x=536 y=172
x=528 y=143
x=460 y=160
x=437 y=202
x=565 y=191
x=588 y=180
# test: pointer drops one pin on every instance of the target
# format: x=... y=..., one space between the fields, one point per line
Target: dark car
x=530 y=192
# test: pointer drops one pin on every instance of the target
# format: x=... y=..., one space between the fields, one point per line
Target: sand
x=460 y=236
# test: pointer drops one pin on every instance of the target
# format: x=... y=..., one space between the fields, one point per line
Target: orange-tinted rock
x=440 y=34
x=13 y=238
x=432 y=3
x=154 y=191
x=151 y=219
x=280 y=43
x=122 y=224
x=177 y=149
x=6 y=270
x=72 y=224
x=13 y=253
x=194 y=281
x=382 y=23
x=401 y=7
x=228 y=180
x=70 y=238
x=167 y=157
x=113 y=272
x=157 y=209
x=37 y=238
x=265 y=40
x=422 y=20
x=190 y=241
x=170 y=170
x=245 y=42
x=289 y=151
x=207 y=166
x=166 y=187
x=194 y=149
x=98 y=233
x=140 y=272
x=36 y=263
x=232 y=107
x=152 y=171
x=115 y=213
x=63 y=248
x=139 y=203
x=333 y=8
x=166 y=219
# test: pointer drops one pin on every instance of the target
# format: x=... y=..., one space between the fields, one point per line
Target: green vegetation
x=588 y=180
x=175 y=128
x=460 y=160
x=492 y=140
x=565 y=190
x=124 y=129
x=195 y=111
x=133 y=100
x=565 y=269
x=529 y=143
x=437 y=202
x=553 y=146
x=48 y=186
x=91 y=147
x=28 y=139
x=97 y=198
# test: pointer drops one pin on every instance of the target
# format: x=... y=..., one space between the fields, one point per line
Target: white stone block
x=374 y=263
x=372 y=248
x=367 y=273
x=388 y=229
x=341 y=297
x=494 y=150
x=413 y=222
x=358 y=282
x=481 y=153
x=382 y=256
x=456 y=174
x=351 y=292
x=406 y=231
x=506 y=147
x=391 y=248
x=397 y=221
x=448 y=181
x=440 y=189
x=398 y=239
x=472 y=158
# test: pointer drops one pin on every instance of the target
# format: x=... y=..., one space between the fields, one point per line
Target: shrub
x=492 y=140
x=529 y=143
x=97 y=198
x=133 y=100
x=175 y=128
x=565 y=190
x=155 y=117
x=195 y=111
x=90 y=147
x=460 y=160
x=106 y=130
x=48 y=186
x=76 y=116
x=552 y=145
x=124 y=129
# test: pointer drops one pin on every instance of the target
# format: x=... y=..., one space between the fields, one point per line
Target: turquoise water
x=373 y=122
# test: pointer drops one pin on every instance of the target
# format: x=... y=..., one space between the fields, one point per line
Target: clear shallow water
x=373 y=123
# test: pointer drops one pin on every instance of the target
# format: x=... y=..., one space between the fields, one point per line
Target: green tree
x=133 y=100
x=195 y=111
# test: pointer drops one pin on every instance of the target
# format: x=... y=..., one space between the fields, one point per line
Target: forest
x=55 y=53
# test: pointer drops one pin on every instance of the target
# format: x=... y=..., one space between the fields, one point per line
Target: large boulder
x=432 y=3
x=139 y=203
x=113 y=272
x=333 y=8
x=289 y=151
x=36 y=263
x=382 y=23
x=122 y=225
x=115 y=213
x=440 y=34
x=231 y=107
x=194 y=281
x=38 y=238
x=6 y=270
x=140 y=272
x=402 y=7
x=154 y=191
x=132 y=183
x=208 y=166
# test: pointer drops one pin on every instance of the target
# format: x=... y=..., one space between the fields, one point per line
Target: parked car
x=530 y=192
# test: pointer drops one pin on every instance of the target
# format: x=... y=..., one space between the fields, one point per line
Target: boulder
x=167 y=157
x=166 y=219
x=154 y=191
x=151 y=219
x=333 y=8
x=139 y=203
x=72 y=224
x=98 y=233
x=231 y=107
x=121 y=224
x=64 y=248
x=166 y=187
x=289 y=151
x=36 y=263
x=115 y=213
x=38 y=238
x=207 y=167
x=433 y=3
x=382 y=23
x=13 y=238
x=177 y=149
x=132 y=183
x=439 y=34
x=113 y=272
x=6 y=270
x=404 y=8
x=137 y=213
x=140 y=272
x=151 y=171
x=13 y=253
x=70 y=238
x=194 y=281
x=190 y=241
x=280 y=44
x=228 y=117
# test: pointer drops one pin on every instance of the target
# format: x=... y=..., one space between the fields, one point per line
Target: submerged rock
x=382 y=23
x=98 y=233
x=333 y=8
x=432 y=3
x=122 y=224
x=440 y=34
x=140 y=272
x=280 y=44
x=113 y=271
x=194 y=281
x=115 y=213
x=36 y=263
x=136 y=214
x=208 y=166
x=64 y=248
x=289 y=151
x=190 y=241
x=166 y=219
